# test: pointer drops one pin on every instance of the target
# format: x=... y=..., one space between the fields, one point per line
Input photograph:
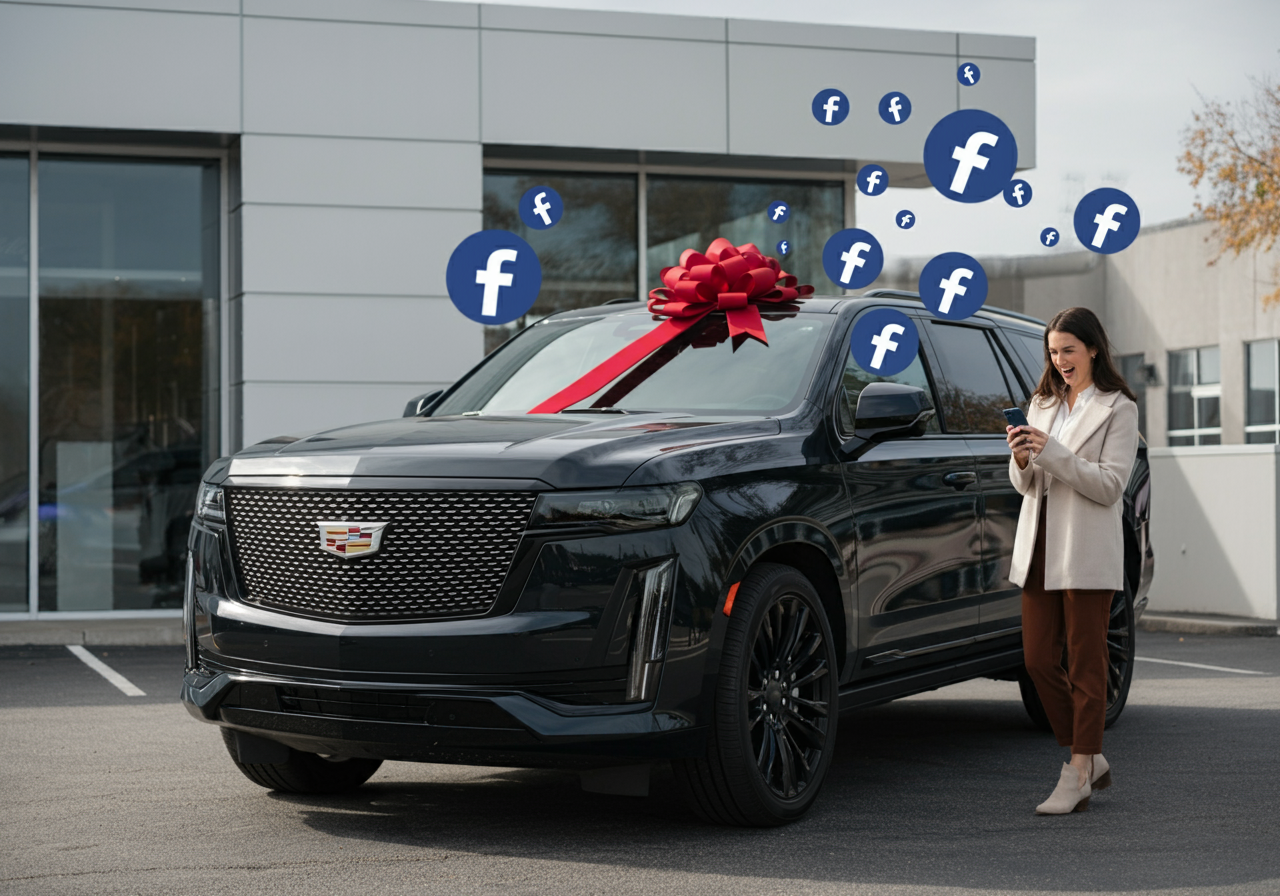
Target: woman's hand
x=1025 y=442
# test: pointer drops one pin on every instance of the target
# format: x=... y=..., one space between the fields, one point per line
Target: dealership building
x=222 y=220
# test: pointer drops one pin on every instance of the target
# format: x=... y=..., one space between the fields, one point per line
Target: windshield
x=700 y=371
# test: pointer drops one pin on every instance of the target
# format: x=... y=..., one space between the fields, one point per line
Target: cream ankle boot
x=1101 y=778
x=1069 y=796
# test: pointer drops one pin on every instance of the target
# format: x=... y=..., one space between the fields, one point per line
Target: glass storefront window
x=1262 y=391
x=129 y=291
x=690 y=212
x=15 y=191
x=589 y=257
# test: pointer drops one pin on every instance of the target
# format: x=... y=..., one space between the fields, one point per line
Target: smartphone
x=1015 y=417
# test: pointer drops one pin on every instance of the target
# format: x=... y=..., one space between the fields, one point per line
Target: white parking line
x=130 y=689
x=1151 y=659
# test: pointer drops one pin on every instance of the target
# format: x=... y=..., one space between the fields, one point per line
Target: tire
x=305 y=772
x=1121 y=644
x=768 y=749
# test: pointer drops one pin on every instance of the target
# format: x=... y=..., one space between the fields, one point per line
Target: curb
x=93 y=633
x=1207 y=625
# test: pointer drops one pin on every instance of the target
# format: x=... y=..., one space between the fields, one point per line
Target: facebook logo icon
x=884 y=342
x=970 y=156
x=779 y=212
x=905 y=219
x=541 y=208
x=852 y=258
x=493 y=277
x=1049 y=237
x=830 y=106
x=1018 y=193
x=1107 y=220
x=784 y=248
x=895 y=108
x=953 y=285
x=968 y=74
x=873 y=180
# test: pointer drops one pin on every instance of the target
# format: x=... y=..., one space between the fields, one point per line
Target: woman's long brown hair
x=1085 y=326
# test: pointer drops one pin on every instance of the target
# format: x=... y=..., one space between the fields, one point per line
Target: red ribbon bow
x=728 y=278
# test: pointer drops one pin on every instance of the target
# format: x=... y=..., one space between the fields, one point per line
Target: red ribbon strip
x=728 y=278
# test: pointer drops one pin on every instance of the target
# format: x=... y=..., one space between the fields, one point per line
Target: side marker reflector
x=728 y=601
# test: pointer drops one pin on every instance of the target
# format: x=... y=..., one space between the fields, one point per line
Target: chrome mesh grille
x=443 y=554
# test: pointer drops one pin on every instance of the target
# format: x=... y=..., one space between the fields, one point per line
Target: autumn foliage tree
x=1233 y=149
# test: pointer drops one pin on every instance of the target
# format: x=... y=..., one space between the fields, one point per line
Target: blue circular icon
x=872 y=180
x=884 y=342
x=970 y=156
x=1049 y=237
x=541 y=208
x=953 y=285
x=779 y=212
x=905 y=219
x=852 y=258
x=968 y=74
x=1018 y=193
x=784 y=248
x=493 y=277
x=830 y=106
x=895 y=108
x=1107 y=220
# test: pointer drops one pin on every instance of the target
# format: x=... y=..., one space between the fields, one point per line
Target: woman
x=1071 y=464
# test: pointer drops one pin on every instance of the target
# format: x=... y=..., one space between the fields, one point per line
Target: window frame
x=1272 y=428
x=1197 y=391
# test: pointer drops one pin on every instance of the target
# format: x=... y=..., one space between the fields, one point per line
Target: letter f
x=1106 y=223
x=492 y=278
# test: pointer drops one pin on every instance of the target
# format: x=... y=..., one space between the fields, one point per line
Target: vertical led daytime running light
x=652 y=629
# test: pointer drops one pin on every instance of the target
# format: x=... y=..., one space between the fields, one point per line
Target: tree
x=1234 y=148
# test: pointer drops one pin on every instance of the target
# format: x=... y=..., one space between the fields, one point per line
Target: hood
x=561 y=450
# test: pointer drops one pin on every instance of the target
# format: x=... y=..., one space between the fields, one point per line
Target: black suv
x=701 y=563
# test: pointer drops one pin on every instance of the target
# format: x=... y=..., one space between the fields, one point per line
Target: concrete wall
x=361 y=123
x=1213 y=529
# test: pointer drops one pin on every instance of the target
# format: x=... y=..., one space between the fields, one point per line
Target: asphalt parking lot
x=103 y=793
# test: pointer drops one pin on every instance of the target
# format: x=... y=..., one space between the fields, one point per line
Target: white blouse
x=1064 y=418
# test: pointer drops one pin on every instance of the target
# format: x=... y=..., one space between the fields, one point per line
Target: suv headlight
x=619 y=508
x=209 y=504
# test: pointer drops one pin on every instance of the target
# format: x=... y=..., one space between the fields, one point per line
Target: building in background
x=222 y=220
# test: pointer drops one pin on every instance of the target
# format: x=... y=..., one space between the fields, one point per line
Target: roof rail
x=904 y=294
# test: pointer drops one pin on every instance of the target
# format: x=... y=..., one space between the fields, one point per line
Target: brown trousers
x=1075 y=697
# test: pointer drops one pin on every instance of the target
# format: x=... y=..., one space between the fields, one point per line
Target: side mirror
x=891 y=410
x=421 y=402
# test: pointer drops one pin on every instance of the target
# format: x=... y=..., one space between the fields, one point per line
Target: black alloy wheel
x=1121 y=641
x=774 y=727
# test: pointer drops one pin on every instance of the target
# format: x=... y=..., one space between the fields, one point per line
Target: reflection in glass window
x=856 y=379
x=690 y=212
x=14 y=383
x=128 y=379
x=1262 y=414
x=1195 y=397
x=589 y=257
x=971 y=386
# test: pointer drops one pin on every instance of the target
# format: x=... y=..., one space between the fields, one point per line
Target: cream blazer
x=1084 y=542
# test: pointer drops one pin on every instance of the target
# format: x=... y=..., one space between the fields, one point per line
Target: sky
x=1116 y=82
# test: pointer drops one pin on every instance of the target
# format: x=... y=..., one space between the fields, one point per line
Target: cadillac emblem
x=351 y=539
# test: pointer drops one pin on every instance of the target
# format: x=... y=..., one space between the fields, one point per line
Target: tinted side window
x=855 y=379
x=971 y=388
x=1032 y=347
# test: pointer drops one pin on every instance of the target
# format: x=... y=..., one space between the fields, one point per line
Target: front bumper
x=407 y=722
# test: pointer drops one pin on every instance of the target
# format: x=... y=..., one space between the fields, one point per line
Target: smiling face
x=1072 y=358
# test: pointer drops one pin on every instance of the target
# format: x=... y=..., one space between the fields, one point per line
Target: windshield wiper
x=596 y=411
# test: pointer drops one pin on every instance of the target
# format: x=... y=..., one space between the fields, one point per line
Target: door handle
x=960 y=479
